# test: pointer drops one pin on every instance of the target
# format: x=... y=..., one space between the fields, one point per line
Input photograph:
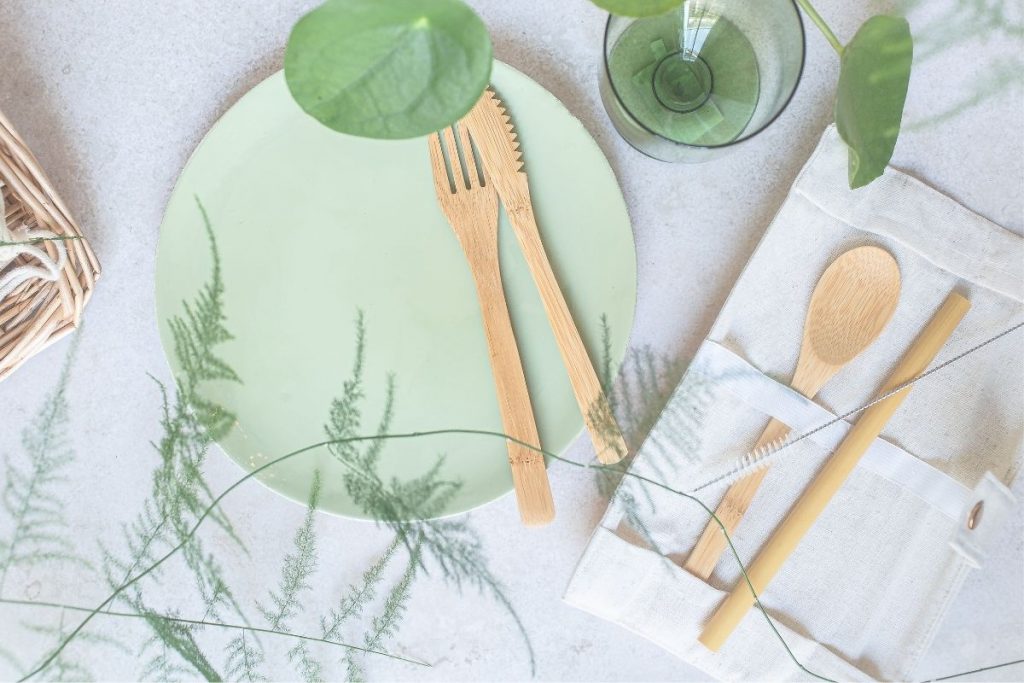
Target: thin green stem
x=216 y=624
x=39 y=240
x=50 y=420
x=209 y=510
x=725 y=532
x=142 y=552
x=806 y=6
x=978 y=671
x=407 y=435
x=413 y=435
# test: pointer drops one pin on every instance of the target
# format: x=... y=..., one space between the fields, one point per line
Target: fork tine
x=467 y=153
x=442 y=183
x=453 y=158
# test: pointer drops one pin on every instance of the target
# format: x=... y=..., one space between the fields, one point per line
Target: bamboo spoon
x=834 y=473
x=472 y=210
x=851 y=305
x=495 y=137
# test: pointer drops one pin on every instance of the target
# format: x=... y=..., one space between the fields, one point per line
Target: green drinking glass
x=689 y=84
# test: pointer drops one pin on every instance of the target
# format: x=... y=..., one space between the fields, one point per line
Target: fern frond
x=171 y=636
x=420 y=498
x=244 y=660
x=65 y=667
x=645 y=384
x=164 y=667
x=607 y=378
x=299 y=565
x=356 y=600
x=372 y=454
x=191 y=422
x=202 y=326
x=345 y=416
x=180 y=494
x=406 y=507
x=244 y=657
x=385 y=626
x=30 y=493
x=309 y=668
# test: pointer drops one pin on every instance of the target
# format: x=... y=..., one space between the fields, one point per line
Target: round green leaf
x=388 y=68
x=637 y=8
x=873 y=79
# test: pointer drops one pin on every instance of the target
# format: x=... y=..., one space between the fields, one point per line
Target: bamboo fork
x=834 y=473
x=471 y=207
x=496 y=140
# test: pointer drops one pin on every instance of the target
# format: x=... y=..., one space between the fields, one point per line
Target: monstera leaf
x=873 y=78
x=637 y=8
x=388 y=68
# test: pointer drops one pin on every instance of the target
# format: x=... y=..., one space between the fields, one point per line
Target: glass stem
x=806 y=6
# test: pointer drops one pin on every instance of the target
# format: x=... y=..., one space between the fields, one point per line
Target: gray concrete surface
x=113 y=95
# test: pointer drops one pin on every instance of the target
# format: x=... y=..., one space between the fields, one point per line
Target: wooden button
x=974 y=519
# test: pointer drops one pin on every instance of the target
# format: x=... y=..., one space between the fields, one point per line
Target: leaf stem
x=978 y=671
x=210 y=510
x=806 y=6
x=40 y=240
x=216 y=624
x=399 y=436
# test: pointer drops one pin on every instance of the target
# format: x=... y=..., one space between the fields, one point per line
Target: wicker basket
x=39 y=312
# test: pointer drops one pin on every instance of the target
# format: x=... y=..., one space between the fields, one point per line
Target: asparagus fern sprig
x=407 y=508
x=299 y=565
x=245 y=653
x=180 y=500
x=32 y=495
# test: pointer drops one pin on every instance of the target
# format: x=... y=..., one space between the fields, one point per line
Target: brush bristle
x=752 y=461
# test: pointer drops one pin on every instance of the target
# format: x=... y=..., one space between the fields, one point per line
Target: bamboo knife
x=496 y=141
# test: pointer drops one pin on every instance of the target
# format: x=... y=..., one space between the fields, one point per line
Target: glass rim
x=785 y=104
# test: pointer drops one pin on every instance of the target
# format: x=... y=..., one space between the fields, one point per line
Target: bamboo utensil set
x=834 y=473
x=851 y=304
x=469 y=201
x=495 y=136
x=472 y=210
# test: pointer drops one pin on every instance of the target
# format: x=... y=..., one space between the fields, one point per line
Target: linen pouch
x=864 y=593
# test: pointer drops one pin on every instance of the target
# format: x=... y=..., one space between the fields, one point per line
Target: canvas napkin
x=863 y=595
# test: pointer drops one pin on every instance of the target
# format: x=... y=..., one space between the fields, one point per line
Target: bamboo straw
x=835 y=471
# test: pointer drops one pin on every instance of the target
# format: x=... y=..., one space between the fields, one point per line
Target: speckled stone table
x=113 y=95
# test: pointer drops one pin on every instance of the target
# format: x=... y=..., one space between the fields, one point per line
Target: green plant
x=406 y=68
x=638 y=8
x=395 y=69
x=448 y=546
x=457 y=557
x=873 y=78
x=32 y=495
x=245 y=658
x=180 y=500
x=37 y=529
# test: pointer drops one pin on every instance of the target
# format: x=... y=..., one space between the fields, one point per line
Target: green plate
x=314 y=226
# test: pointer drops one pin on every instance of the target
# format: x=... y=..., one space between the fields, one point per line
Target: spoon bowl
x=852 y=303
